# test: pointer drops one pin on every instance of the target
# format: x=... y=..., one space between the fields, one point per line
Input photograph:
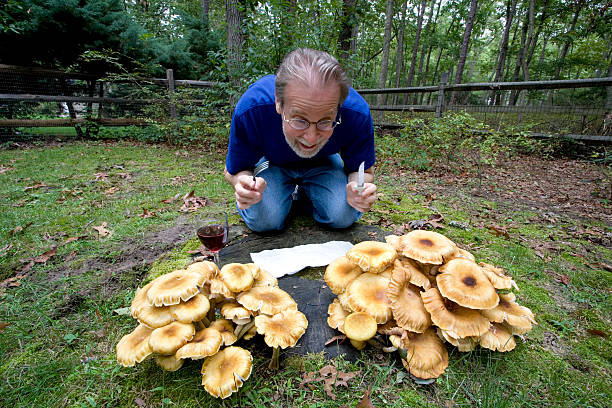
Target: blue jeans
x=322 y=186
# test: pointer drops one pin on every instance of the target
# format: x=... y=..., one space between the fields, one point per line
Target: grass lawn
x=84 y=224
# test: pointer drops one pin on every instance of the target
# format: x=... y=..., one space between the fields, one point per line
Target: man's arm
x=361 y=202
x=247 y=193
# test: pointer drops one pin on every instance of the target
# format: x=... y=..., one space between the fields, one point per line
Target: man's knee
x=338 y=217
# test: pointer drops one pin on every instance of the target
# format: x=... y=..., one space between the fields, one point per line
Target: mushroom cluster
x=421 y=290
x=199 y=313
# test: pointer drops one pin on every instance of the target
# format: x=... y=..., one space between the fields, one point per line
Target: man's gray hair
x=313 y=68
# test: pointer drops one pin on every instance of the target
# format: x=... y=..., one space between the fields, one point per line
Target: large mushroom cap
x=339 y=273
x=154 y=316
x=226 y=328
x=427 y=246
x=360 y=326
x=134 y=347
x=193 y=310
x=463 y=282
x=498 y=338
x=497 y=277
x=282 y=330
x=219 y=290
x=265 y=278
x=409 y=270
x=463 y=344
x=236 y=276
x=455 y=320
x=140 y=300
x=226 y=371
x=336 y=315
x=206 y=269
x=269 y=300
x=372 y=256
x=235 y=312
x=406 y=303
x=368 y=293
x=168 y=339
x=426 y=356
x=171 y=288
x=169 y=363
x=205 y=343
x=520 y=318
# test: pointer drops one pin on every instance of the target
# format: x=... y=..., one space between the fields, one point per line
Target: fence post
x=170 y=78
x=440 y=104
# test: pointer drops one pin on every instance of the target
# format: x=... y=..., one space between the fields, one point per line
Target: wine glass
x=213 y=235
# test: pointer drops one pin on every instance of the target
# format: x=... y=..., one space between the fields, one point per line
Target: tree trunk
x=429 y=50
x=503 y=48
x=347 y=25
x=384 y=66
x=519 y=59
x=565 y=48
x=234 y=15
x=464 y=46
x=415 y=47
x=205 y=11
x=423 y=49
x=399 y=60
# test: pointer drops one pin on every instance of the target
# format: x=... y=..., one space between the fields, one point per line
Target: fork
x=259 y=168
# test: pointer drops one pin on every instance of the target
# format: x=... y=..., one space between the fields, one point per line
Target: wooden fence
x=28 y=86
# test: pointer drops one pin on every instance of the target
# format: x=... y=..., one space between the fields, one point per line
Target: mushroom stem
x=242 y=329
x=390 y=349
x=403 y=354
x=274 y=360
x=205 y=321
x=200 y=324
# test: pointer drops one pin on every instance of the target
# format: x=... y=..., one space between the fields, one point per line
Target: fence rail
x=93 y=97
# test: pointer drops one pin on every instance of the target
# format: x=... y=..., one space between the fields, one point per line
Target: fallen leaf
x=35 y=186
x=28 y=266
x=499 y=231
x=5 y=250
x=4 y=169
x=100 y=176
x=111 y=190
x=327 y=387
x=3 y=326
x=308 y=378
x=102 y=231
x=192 y=202
x=328 y=370
x=45 y=256
x=565 y=279
x=366 y=402
x=596 y=332
x=171 y=199
x=125 y=176
x=140 y=402
x=147 y=214
x=70 y=256
x=340 y=337
x=15 y=230
x=342 y=379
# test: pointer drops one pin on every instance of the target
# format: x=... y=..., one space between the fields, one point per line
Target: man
x=314 y=130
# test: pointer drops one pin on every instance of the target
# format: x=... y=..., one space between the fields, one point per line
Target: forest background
x=382 y=43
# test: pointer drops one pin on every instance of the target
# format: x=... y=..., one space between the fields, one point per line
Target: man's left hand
x=363 y=201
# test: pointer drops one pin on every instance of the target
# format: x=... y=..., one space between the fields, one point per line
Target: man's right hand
x=247 y=191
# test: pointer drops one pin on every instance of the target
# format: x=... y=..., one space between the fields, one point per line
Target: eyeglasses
x=322 y=125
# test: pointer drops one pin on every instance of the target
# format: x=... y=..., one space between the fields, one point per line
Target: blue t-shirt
x=257 y=131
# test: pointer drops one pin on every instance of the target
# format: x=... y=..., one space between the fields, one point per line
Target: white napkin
x=287 y=261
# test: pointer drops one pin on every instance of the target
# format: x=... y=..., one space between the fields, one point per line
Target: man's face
x=312 y=104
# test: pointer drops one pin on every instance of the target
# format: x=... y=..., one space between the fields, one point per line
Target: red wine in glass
x=213 y=235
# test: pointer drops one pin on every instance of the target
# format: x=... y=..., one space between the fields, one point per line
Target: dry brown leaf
x=499 y=231
x=192 y=202
x=340 y=337
x=366 y=402
x=140 y=402
x=111 y=190
x=596 y=332
x=172 y=199
x=4 y=169
x=147 y=214
x=102 y=230
x=328 y=370
x=5 y=250
x=100 y=176
x=35 y=186
x=42 y=258
x=328 y=388
x=3 y=326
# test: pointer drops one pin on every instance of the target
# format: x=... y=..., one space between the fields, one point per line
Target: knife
x=360 y=177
